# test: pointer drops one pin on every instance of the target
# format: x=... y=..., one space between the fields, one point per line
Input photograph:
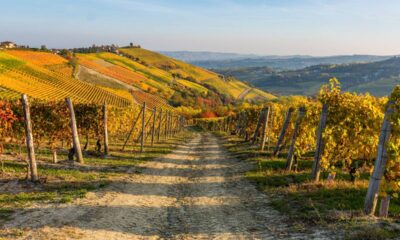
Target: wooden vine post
x=265 y=128
x=319 y=149
x=283 y=131
x=380 y=163
x=238 y=122
x=257 y=130
x=166 y=125
x=153 y=127
x=174 y=124
x=289 y=160
x=170 y=124
x=160 y=116
x=132 y=129
x=29 y=139
x=105 y=120
x=74 y=128
x=142 y=135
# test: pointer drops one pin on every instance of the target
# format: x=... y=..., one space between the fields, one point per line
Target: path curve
x=244 y=94
x=196 y=192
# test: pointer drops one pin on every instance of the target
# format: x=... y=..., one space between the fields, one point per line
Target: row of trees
x=345 y=131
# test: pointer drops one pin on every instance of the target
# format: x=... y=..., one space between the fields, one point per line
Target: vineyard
x=340 y=142
x=41 y=83
x=89 y=120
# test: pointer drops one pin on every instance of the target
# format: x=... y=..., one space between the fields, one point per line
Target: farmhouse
x=8 y=44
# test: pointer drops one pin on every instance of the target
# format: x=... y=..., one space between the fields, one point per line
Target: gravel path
x=196 y=192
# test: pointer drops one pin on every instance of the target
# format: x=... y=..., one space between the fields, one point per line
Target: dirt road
x=196 y=192
x=244 y=94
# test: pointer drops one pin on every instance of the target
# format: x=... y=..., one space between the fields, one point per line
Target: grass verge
x=334 y=204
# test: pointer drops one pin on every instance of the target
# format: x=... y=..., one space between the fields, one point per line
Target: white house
x=7 y=45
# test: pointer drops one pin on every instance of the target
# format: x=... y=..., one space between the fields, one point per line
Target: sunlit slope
x=147 y=78
x=36 y=74
x=47 y=60
x=257 y=95
x=172 y=68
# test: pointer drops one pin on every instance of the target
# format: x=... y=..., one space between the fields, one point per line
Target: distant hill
x=378 y=78
x=189 y=56
x=218 y=61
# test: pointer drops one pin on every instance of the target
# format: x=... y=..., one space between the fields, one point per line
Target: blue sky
x=278 y=27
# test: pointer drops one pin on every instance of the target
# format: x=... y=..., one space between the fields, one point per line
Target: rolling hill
x=47 y=76
x=377 y=78
x=112 y=77
x=226 y=61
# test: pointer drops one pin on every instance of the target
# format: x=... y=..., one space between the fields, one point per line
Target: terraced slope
x=33 y=73
x=172 y=68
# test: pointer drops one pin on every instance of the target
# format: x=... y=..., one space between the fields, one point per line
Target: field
x=32 y=78
x=185 y=71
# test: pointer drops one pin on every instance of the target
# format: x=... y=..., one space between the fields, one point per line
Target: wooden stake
x=289 y=160
x=105 y=119
x=256 y=131
x=159 y=125
x=132 y=129
x=143 y=128
x=29 y=139
x=265 y=128
x=166 y=125
x=283 y=131
x=54 y=154
x=153 y=127
x=384 y=209
x=319 y=149
x=74 y=128
x=380 y=163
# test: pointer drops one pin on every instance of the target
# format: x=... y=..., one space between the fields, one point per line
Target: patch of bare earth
x=196 y=192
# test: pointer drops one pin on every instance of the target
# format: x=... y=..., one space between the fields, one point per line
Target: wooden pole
x=132 y=129
x=265 y=128
x=147 y=123
x=166 y=125
x=319 y=149
x=289 y=160
x=238 y=120
x=283 y=131
x=29 y=139
x=159 y=125
x=169 y=125
x=153 y=127
x=380 y=163
x=271 y=116
x=74 y=128
x=143 y=128
x=105 y=120
x=384 y=209
x=256 y=131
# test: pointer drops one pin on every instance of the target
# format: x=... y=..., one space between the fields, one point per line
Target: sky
x=263 y=27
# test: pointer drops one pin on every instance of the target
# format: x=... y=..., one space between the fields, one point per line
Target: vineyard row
x=345 y=131
x=54 y=123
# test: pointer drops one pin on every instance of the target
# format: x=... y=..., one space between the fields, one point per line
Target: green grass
x=339 y=202
x=63 y=182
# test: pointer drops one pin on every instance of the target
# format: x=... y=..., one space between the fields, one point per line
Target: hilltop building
x=7 y=45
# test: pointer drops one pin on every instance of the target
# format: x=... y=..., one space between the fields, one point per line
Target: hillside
x=109 y=77
x=377 y=78
x=46 y=76
x=177 y=81
x=188 y=75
